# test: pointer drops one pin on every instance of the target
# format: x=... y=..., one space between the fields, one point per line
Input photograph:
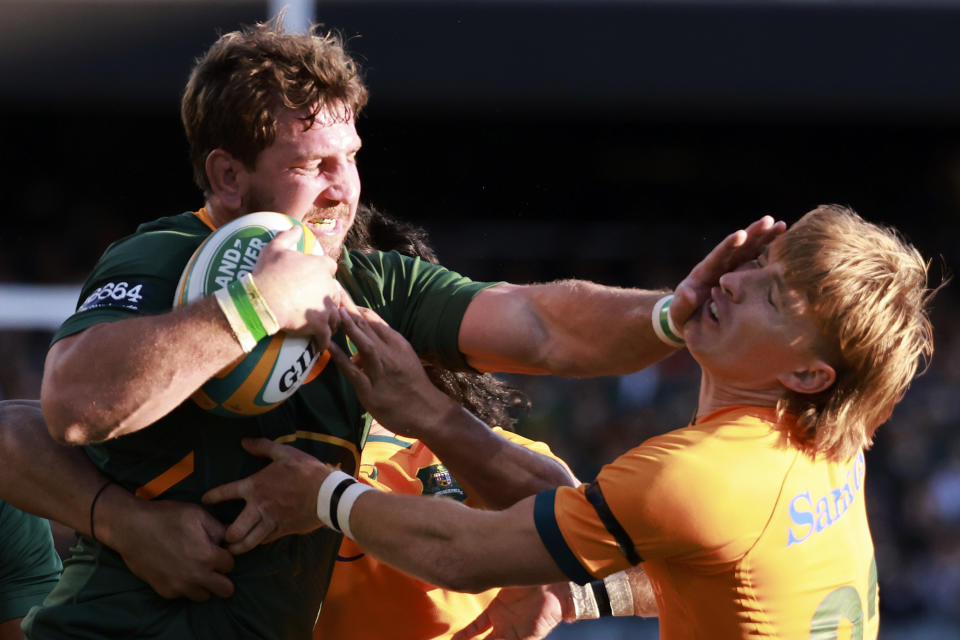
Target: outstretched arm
x=172 y=546
x=455 y=547
x=393 y=387
x=576 y=328
x=440 y=541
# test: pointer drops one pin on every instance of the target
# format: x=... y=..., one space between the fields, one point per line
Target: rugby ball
x=280 y=363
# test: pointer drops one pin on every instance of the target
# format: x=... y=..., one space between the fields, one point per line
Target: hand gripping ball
x=279 y=364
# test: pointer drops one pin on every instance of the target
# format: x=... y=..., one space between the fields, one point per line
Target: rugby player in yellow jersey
x=406 y=608
x=751 y=520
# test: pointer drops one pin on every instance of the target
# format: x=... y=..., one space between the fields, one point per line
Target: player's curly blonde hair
x=867 y=288
x=239 y=86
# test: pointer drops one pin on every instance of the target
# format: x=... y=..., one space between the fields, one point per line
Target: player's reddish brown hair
x=866 y=287
x=240 y=85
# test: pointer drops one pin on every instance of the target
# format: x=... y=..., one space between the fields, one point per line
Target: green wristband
x=238 y=294
x=663 y=325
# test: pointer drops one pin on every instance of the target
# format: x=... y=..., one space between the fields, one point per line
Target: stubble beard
x=332 y=246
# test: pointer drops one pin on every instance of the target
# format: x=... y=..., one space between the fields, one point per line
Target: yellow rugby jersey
x=370 y=599
x=742 y=534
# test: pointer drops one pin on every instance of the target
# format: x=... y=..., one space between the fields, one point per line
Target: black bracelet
x=94 y=504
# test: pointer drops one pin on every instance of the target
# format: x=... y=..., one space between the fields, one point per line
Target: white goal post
x=26 y=306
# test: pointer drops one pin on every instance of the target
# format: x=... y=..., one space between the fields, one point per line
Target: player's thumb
x=685 y=302
x=288 y=238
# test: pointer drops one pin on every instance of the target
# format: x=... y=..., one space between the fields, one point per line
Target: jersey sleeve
x=423 y=301
x=137 y=275
x=655 y=501
x=29 y=564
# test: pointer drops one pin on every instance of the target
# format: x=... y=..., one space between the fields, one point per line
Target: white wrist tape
x=346 y=505
x=330 y=483
x=620 y=594
x=612 y=596
x=663 y=324
x=338 y=492
x=584 y=602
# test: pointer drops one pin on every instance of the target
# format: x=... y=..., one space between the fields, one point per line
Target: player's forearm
x=568 y=328
x=494 y=471
x=119 y=377
x=450 y=545
x=40 y=476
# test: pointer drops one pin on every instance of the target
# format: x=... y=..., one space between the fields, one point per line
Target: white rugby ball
x=280 y=363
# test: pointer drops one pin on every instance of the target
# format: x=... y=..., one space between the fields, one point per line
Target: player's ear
x=814 y=378
x=228 y=178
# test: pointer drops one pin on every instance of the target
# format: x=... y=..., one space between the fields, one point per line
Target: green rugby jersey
x=29 y=564
x=279 y=586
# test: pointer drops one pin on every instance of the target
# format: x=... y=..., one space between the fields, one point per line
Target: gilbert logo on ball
x=280 y=363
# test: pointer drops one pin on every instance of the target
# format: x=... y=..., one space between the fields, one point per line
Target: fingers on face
x=765 y=229
x=760 y=226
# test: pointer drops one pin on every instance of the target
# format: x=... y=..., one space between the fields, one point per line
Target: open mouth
x=712 y=311
x=324 y=226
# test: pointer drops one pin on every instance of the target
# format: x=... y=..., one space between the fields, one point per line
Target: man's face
x=310 y=175
x=754 y=328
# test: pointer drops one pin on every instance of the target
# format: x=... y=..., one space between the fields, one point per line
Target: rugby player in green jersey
x=270 y=122
x=173 y=546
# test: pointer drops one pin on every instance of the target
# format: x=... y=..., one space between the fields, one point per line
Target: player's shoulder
x=184 y=230
x=138 y=273
x=710 y=451
x=166 y=240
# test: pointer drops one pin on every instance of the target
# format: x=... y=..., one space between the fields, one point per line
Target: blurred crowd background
x=613 y=141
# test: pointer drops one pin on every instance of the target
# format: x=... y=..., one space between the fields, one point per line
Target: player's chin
x=332 y=248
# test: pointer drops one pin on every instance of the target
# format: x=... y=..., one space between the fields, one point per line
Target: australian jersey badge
x=438 y=481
